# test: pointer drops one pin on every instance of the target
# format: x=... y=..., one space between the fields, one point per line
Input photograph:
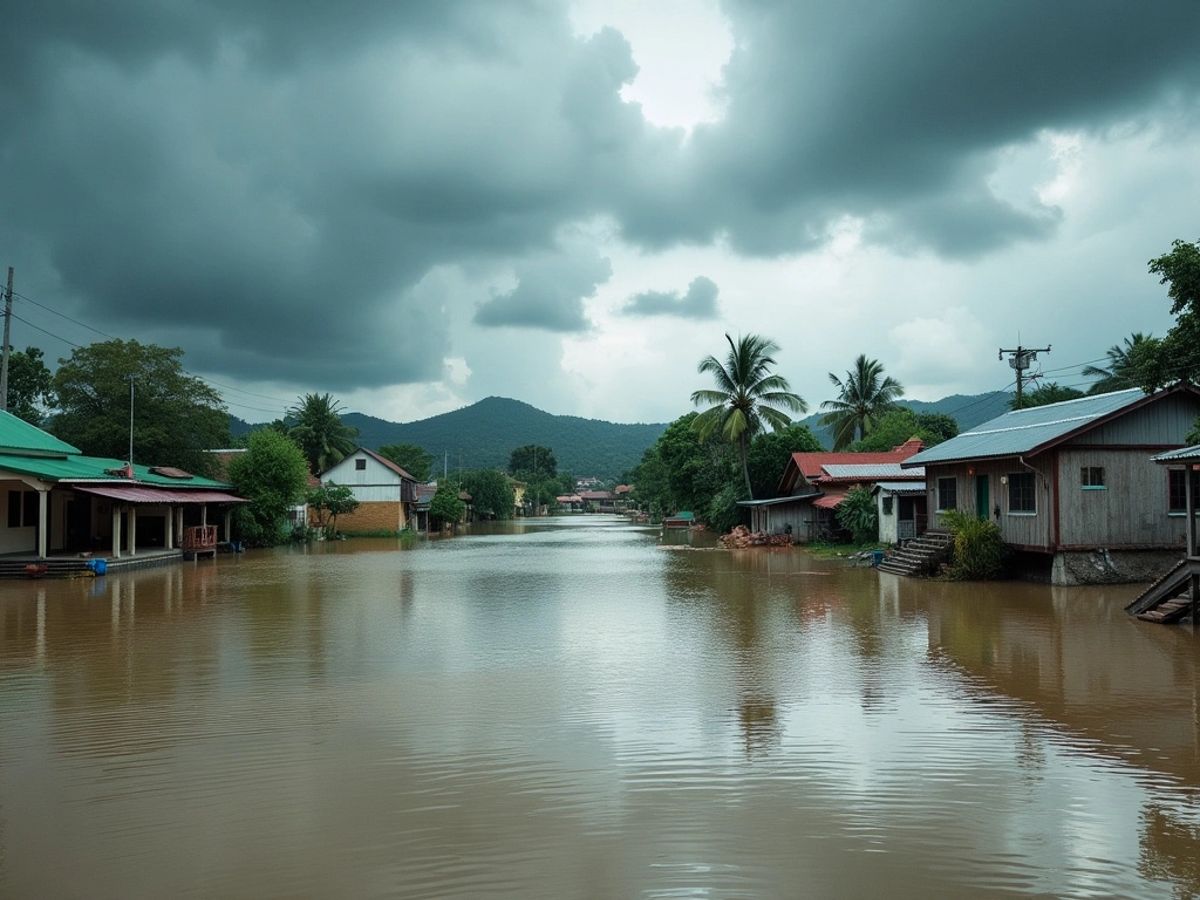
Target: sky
x=416 y=205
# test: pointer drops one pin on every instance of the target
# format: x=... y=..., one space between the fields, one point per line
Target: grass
x=406 y=535
x=825 y=550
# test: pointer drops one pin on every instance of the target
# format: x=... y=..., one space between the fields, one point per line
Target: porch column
x=179 y=524
x=169 y=524
x=116 y=531
x=1190 y=506
x=229 y=524
x=132 y=530
x=203 y=513
x=43 y=525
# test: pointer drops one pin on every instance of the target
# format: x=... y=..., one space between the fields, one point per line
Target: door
x=982 y=501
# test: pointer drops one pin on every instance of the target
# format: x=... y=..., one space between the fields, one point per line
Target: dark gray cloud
x=550 y=292
x=699 y=302
x=266 y=182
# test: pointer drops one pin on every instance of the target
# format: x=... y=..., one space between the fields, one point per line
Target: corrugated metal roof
x=95 y=468
x=811 y=464
x=16 y=434
x=1183 y=454
x=1024 y=430
x=869 y=471
x=830 y=500
x=902 y=487
x=134 y=493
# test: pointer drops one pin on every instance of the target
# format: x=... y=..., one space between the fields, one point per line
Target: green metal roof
x=18 y=436
x=76 y=467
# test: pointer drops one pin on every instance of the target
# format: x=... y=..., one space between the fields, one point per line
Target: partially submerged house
x=902 y=508
x=386 y=493
x=58 y=502
x=1072 y=485
x=813 y=485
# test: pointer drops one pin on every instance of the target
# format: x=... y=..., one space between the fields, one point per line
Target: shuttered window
x=1021 y=495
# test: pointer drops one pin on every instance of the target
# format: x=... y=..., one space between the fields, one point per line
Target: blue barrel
x=99 y=566
x=876 y=557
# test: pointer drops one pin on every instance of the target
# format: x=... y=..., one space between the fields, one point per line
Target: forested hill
x=968 y=410
x=485 y=433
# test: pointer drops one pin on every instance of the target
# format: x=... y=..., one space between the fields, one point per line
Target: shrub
x=858 y=515
x=723 y=512
x=978 y=548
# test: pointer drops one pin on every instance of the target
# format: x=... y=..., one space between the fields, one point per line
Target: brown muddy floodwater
x=565 y=709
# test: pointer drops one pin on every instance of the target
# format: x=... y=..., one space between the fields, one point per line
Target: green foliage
x=1177 y=356
x=898 y=425
x=1127 y=365
x=176 y=416
x=1193 y=437
x=491 y=493
x=747 y=396
x=1046 y=394
x=683 y=471
x=770 y=452
x=29 y=385
x=1181 y=270
x=331 y=500
x=445 y=508
x=413 y=459
x=723 y=513
x=531 y=461
x=858 y=514
x=863 y=398
x=315 y=424
x=272 y=475
x=978 y=553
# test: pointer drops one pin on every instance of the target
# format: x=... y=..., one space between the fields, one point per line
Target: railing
x=200 y=537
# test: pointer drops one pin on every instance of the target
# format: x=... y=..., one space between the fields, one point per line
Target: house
x=598 y=501
x=386 y=493
x=1072 y=485
x=423 y=496
x=58 y=502
x=901 y=506
x=571 y=502
x=813 y=485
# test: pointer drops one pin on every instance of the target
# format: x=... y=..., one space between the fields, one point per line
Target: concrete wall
x=888 y=533
x=15 y=540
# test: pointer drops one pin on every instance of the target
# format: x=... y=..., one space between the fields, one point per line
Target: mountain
x=968 y=410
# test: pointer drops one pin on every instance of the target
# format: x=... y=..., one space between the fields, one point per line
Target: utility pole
x=1020 y=359
x=4 y=354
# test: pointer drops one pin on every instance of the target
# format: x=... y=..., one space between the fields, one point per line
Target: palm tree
x=747 y=396
x=863 y=397
x=316 y=425
x=1122 y=362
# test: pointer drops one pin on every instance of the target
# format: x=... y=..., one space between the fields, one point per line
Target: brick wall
x=381 y=515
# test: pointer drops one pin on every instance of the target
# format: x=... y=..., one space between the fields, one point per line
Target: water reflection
x=568 y=708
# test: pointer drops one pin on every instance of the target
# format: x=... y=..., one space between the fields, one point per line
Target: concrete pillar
x=43 y=525
x=116 y=531
x=203 y=513
x=132 y=530
x=179 y=526
x=229 y=524
x=169 y=524
x=1190 y=507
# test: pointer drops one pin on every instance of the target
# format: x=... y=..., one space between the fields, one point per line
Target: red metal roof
x=810 y=464
x=131 y=493
x=830 y=500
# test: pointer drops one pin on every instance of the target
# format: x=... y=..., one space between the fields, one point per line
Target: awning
x=830 y=500
x=136 y=493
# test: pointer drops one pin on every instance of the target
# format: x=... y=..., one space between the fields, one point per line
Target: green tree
x=272 y=474
x=491 y=493
x=1124 y=364
x=531 y=460
x=176 y=415
x=30 y=385
x=1050 y=392
x=898 y=425
x=331 y=500
x=859 y=515
x=413 y=459
x=1193 y=437
x=863 y=397
x=317 y=426
x=1177 y=356
x=682 y=471
x=747 y=397
x=770 y=452
x=445 y=508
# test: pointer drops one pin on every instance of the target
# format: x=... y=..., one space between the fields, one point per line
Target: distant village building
x=1072 y=485
x=386 y=493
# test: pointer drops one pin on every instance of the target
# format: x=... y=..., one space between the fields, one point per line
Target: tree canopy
x=1177 y=356
x=176 y=415
x=1125 y=364
x=863 y=397
x=317 y=427
x=272 y=474
x=415 y=460
x=532 y=460
x=491 y=493
x=29 y=385
x=684 y=471
x=770 y=452
x=898 y=425
x=331 y=500
x=1050 y=392
x=446 y=508
x=747 y=397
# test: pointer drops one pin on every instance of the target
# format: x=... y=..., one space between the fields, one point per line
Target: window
x=1176 y=498
x=31 y=508
x=1091 y=478
x=360 y=465
x=14 y=509
x=1021 y=496
x=887 y=506
x=947 y=489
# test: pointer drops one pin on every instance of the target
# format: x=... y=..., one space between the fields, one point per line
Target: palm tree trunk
x=742 y=451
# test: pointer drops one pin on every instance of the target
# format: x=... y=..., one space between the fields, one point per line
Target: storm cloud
x=266 y=185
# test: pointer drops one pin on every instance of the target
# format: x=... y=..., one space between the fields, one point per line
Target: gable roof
x=18 y=436
x=382 y=460
x=1023 y=432
x=811 y=464
x=868 y=472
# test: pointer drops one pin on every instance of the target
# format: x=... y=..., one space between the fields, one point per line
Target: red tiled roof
x=596 y=495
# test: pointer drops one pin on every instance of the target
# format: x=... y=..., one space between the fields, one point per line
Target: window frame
x=1015 y=478
x=1088 y=476
x=15 y=505
x=1177 y=475
x=360 y=464
x=941 y=507
x=887 y=504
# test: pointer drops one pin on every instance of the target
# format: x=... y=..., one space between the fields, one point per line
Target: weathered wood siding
x=1021 y=529
x=1164 y=423
x=1131 y=510
x=374 y=483
x=798 y=514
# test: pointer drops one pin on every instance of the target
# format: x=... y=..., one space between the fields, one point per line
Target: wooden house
x=813 y=485
x=1072 y=485
x=386 y=493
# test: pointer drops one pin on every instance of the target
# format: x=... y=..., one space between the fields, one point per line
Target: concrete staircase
x=920 y=556
x=1168 y=600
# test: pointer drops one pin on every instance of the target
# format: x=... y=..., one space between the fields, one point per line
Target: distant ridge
x=483 y=434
